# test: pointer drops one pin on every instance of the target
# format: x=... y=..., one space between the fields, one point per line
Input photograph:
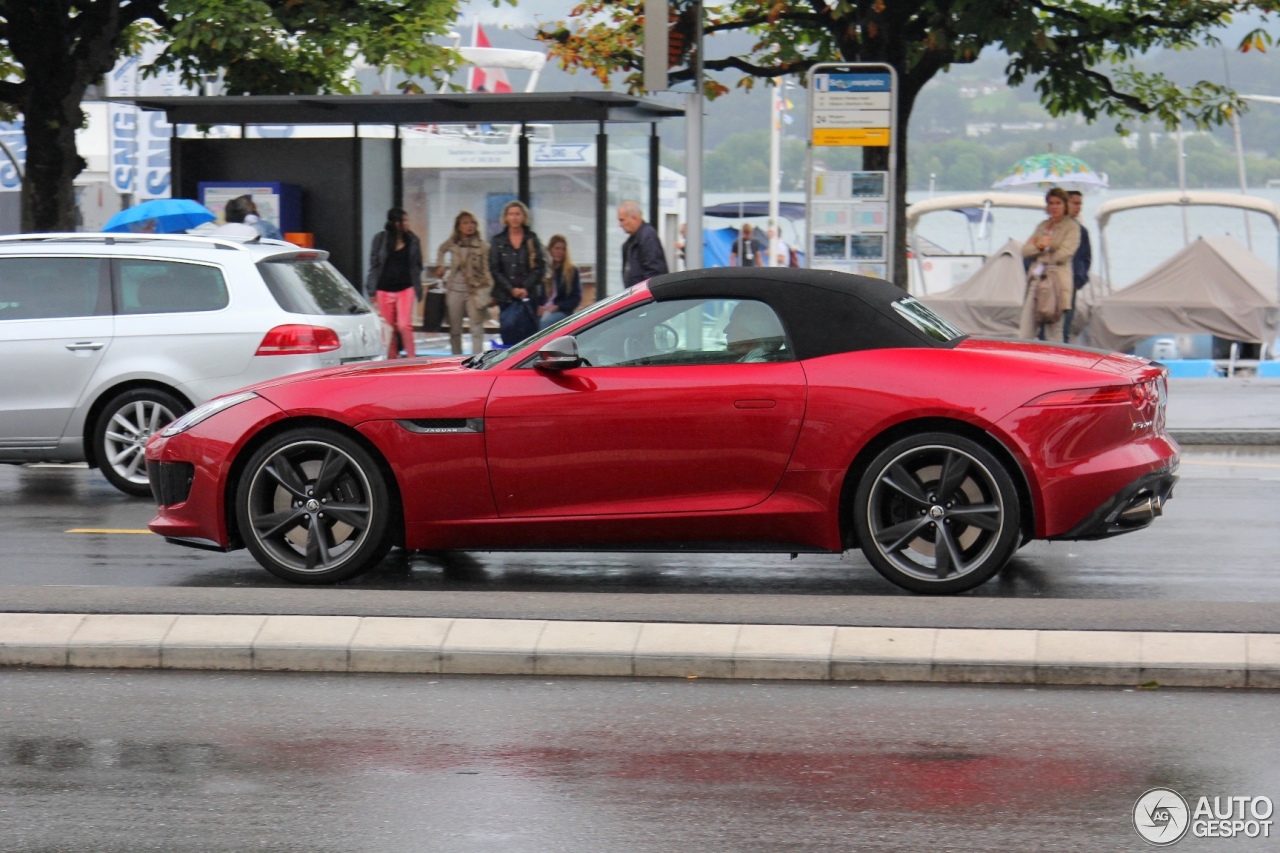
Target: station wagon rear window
x=311 y=287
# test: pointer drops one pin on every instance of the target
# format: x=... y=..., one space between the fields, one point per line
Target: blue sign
x=852 y=83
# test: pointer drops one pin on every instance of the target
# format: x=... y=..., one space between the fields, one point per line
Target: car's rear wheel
x=937 y=513
x=121 y=433
x=313 y=507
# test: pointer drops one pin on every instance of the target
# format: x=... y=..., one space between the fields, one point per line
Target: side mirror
x=558 y=354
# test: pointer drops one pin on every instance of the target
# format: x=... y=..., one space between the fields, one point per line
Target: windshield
x=926 y=321
x=493 y=357
x=311 y=287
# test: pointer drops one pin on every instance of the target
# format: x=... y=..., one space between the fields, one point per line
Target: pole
x=1235 y=130
x=693 y=259
x=775 y=166
x=602 y=212
x=1182 y=184
x=1244 y=183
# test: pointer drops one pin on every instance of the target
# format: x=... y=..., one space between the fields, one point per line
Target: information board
x=851 y=213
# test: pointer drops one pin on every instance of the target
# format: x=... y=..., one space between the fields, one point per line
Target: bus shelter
x=570 y=156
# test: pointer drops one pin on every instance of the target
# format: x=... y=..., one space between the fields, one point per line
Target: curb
x=1252 y=437
x=379 y=644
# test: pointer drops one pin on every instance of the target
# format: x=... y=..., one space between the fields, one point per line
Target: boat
x=933 y=269
x=1214 y=300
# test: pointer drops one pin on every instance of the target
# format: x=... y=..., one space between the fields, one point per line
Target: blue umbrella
x=170 y=215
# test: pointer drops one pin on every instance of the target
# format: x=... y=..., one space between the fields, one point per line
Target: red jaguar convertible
x=771 y=410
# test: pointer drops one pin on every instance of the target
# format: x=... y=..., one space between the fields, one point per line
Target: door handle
x=754 y=404
x=85 y=345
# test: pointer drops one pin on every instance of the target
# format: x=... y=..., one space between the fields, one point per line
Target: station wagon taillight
x=299 y=340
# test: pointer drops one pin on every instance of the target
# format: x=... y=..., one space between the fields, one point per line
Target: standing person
x=564 y=285
x=749 y=249
x=1080 y=261
x=395 y=267
x=268 y=229
x=780 y=251
x=642 y=255
x=517 y=266
x=467 y=282
x=1049 y=287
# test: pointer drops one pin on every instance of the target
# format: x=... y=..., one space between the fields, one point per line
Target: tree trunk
x=48 y=191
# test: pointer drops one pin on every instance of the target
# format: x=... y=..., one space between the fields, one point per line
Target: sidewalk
x=634 y=649
x=1225 y=411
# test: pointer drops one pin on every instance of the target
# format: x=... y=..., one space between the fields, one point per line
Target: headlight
x=202 y=413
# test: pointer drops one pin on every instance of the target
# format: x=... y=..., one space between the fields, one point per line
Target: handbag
x=1046 y=298
x=517 y=321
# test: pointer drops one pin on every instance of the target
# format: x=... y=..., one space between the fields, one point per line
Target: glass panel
x=451 y=168
x=628 y=181
x=687 y=332
x=39 y=288
x=311 y=287
x=169 y=287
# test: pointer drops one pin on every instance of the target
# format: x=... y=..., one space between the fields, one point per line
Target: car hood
x=369 y=370
x=1057 y=355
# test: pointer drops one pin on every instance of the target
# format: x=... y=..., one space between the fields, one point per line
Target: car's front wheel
x=937 y=513
x=122 y=431
x=313 y=507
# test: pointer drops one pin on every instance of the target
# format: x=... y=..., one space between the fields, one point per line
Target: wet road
x=98 y=761
x=1215 y=543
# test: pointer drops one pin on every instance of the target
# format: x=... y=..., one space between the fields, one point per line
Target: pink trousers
x=396 y=308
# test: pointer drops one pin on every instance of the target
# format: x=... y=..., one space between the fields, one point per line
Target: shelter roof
x=453 y=108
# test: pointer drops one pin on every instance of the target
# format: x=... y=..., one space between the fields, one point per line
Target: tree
x=1078 y=52
x=51 y=51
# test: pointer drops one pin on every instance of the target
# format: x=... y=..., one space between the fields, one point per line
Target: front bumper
x=1132 y=508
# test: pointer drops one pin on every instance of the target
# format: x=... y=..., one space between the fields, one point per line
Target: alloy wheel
x=310 y=507
x=936 y=513
x=127 y=433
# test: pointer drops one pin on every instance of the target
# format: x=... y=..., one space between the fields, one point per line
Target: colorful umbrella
x=170 y=215
x=1059 y=170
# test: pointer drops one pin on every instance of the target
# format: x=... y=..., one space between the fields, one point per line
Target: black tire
x=313 y=507
x=934 y=485
x=121 y=432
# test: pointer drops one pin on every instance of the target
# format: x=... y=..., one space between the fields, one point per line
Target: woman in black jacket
x=395 y=276
x=518 y=267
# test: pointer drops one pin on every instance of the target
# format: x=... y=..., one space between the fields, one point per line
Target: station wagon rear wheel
x=937 y=513
x=313 y=507
x=122 y=431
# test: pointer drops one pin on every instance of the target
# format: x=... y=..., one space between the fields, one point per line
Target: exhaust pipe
x=1143 y=509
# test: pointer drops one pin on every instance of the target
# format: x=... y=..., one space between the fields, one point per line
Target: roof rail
x=110 y=239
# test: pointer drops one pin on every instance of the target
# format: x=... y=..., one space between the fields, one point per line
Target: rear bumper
x=1132 y=508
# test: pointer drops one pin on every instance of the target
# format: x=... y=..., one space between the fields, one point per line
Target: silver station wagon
x=105 y=338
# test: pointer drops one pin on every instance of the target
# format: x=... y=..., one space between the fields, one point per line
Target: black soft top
x=824 y=312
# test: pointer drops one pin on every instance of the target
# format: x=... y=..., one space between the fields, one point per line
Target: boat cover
x=1213 y=286
x=990 y=302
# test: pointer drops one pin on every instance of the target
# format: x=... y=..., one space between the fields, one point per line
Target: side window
x=168 y=287
x=43 y=288
x=687 y=332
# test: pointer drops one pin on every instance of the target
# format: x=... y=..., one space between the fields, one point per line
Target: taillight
x=1109 y=395
x=299 y=340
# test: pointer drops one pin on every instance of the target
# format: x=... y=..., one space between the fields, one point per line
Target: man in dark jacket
x=1080 y=262
x=642 y=255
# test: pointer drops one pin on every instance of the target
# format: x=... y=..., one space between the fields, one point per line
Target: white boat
x=1214 y=286
x=932 y=268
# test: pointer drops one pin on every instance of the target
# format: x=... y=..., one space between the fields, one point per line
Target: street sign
x=851 y=213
